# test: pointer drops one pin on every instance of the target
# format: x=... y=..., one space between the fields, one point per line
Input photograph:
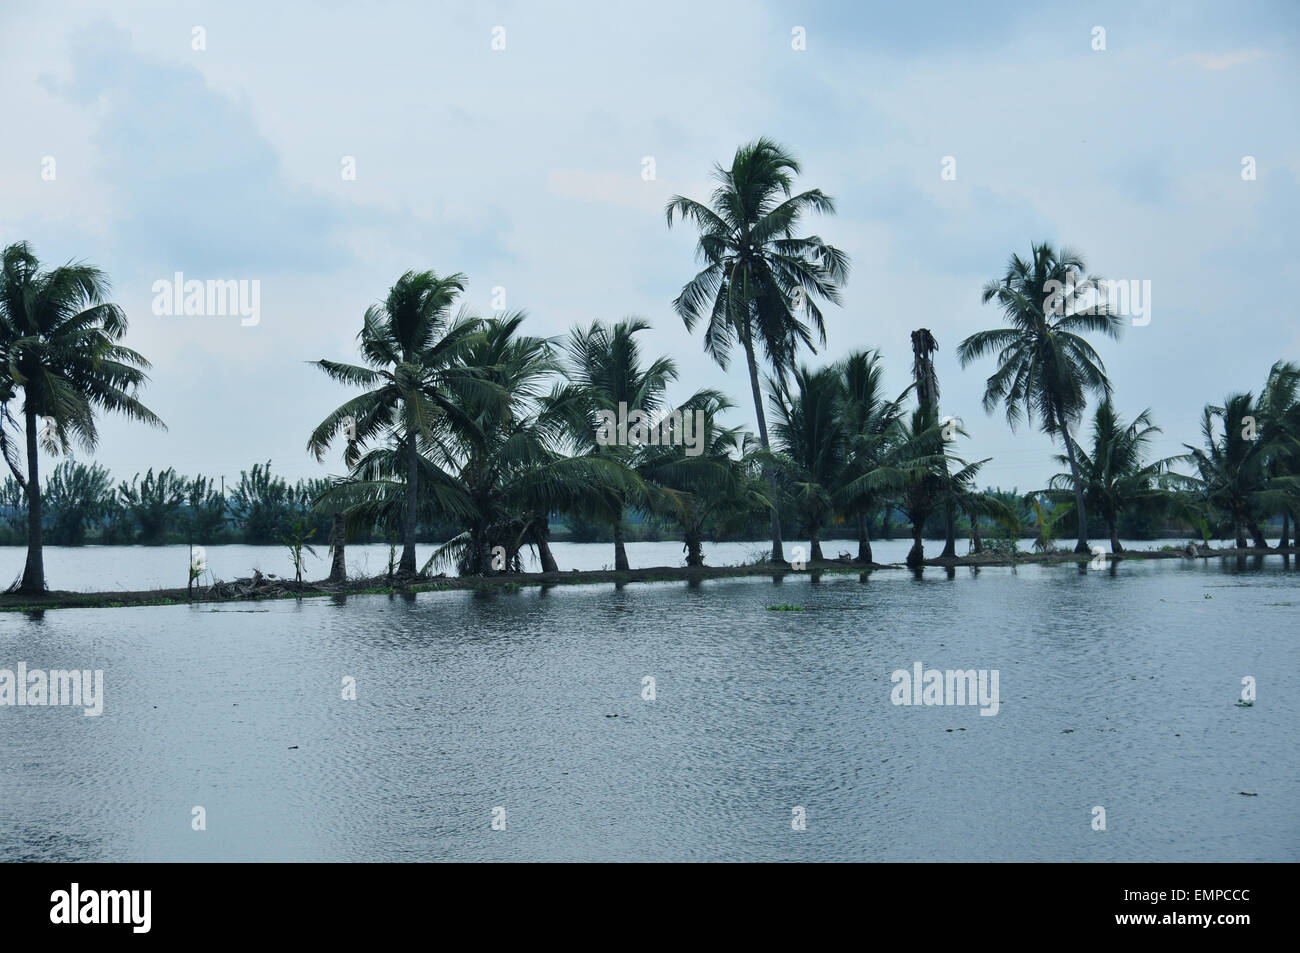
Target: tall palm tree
x=59 y=340
x=761 y=283
x=1045 y=367
x=926 y=381
x=1115 y=472
x=411 y=346
x=607 y=371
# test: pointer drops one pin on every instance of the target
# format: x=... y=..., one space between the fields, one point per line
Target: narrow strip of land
x=260 y=587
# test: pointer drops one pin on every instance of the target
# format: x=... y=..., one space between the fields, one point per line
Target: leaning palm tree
x=1115 y=472
x=59 y=343
x=761 y=282
x=411 y=347
x=1045 y=367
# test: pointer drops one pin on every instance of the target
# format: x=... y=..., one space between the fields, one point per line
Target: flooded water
x=1117 y=689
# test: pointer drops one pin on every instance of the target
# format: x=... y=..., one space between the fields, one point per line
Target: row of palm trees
x=470 y=420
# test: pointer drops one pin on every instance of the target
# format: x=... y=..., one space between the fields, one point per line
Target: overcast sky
x=522 y=167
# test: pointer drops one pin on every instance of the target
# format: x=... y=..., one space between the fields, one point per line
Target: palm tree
x=1045 y=367
x=59 y=343
x=927 y=397
x=411 y=346
x=1235 y=472
x=1279 y=407
x=507 y=460
x=761 y=283
x=720 y=484
x=1115 y=473
x=812 y=444
x=871 y=426
x=604 y=367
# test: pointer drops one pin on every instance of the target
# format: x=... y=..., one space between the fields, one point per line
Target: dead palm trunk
x=34 y=571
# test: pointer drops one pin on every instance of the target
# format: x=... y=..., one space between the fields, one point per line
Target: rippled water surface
x=1117 y=689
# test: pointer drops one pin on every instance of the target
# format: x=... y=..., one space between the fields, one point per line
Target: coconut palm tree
x=870 y=424
x=720 y=484
x=1045 y=367
x=812 y=444
x=59 y=340
x=1279 y=406
x=1235 y=473
x=412 y=349
x=609 y=381
x=1115 y=472
x=508 y=460
x=761 y=283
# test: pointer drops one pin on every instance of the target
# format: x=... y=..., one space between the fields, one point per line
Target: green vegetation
x=466 y=431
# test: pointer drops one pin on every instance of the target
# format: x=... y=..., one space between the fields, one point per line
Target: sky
x=508 y=141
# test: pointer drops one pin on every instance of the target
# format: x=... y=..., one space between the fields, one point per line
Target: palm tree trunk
x=778 y=551
x=620 y=552
x=1257 y=536
x=1286 y=531
x=1115 y=547
x=886 y=531
x=976 y=540
x=338 y=541
x=694 y=548
x=407 y=565
x=1080 y=512
x=543 y=534
x=814 y=541
x=916 y=555
x=864 y=539
x=1240 y=532
x=950 y=541
x=34 y=571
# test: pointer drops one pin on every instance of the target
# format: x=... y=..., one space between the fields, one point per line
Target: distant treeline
x=84 y=505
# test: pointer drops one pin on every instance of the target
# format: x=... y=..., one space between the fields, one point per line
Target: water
x=1117 y=690
x=128 y=568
